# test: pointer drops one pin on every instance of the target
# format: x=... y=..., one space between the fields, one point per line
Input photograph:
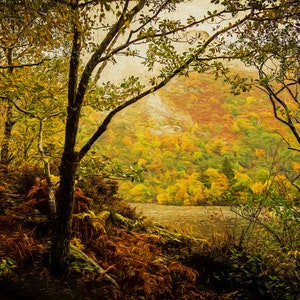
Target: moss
x=80 y=263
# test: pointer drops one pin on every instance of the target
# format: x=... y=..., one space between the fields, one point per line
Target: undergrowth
x=128 y=259
x=118 y=254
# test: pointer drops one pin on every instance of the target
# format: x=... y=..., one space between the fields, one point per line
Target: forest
x=200 y=151
x=109 y=104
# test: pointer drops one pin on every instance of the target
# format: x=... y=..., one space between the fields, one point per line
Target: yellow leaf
x=296 y=166
x=257 y=188
x=127 y=23
x=259 y=152
x=142 y=162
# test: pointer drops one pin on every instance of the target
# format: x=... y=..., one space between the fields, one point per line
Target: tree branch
x=140 y=40
x=289 y=145
x=288 y=121
x=287 y=87
x=105 y=61
x=102 y=128
x=25 y=65
x=29 y=113
x=96 y=57
x=148 y=21
x=74 y=60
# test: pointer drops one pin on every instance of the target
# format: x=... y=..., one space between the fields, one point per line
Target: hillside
x=204 y=101
x=215 y=109
x=177 y=141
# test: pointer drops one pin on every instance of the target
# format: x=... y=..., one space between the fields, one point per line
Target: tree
x=269 y=44
x=42 y=92
x=40 y=100
x=134 y=29
x=27 y=40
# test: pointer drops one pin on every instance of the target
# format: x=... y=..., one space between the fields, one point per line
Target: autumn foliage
x=196 y=151
x=141 y=263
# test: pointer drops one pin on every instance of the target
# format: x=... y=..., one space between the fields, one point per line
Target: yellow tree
x=26 y=40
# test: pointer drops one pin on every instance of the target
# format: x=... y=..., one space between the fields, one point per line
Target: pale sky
x=132 y=66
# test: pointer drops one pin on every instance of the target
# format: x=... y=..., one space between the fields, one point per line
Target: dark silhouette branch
x=24 y=65
x=289 y=145
x=96 y=57
x=29 y=113
x=102 y=128
x=288 y=120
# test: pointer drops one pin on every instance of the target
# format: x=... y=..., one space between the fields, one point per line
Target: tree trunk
x=59 y=263
x=51 y=186
x=52 y=190
x=9 y=123
x=60 y=248
x=59 y=257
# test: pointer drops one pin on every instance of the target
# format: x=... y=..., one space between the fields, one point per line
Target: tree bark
x=59 y=258
x=51 y=185
x=8 y=126
x=60 y=248
x=9 y=122
x=65 y=200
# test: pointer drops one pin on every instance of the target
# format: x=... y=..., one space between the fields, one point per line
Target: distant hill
x=214 y=108
x=189 y=139
x=203 y=101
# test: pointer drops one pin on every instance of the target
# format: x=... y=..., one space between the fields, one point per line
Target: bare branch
x=289 y=145
x=287 y=88
x=288 y=121
x=96 y=57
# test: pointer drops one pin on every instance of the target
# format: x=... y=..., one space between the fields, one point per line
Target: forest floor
x=116 y=253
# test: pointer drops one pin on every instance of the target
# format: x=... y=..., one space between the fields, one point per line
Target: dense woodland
x=200 y=145
x=107 y=103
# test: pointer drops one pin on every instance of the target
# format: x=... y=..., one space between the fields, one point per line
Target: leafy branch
x=42 y=120
x=185 y=65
